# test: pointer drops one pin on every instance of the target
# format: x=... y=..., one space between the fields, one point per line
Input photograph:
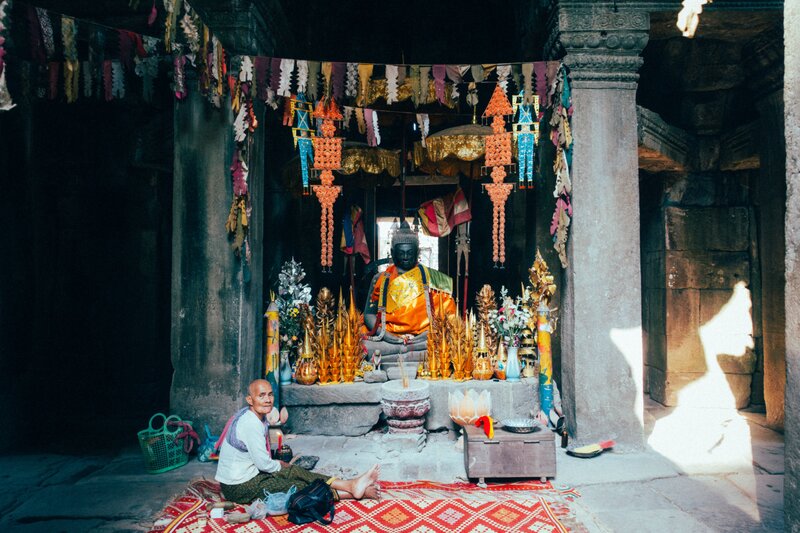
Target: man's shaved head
x=251 y=389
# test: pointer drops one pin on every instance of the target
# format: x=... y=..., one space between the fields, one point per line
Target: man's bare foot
x=373 y=492
x=361 y=483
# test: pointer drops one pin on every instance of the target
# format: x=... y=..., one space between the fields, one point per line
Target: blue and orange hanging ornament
x=327 y=158
x=303 y=134
x=498 y=156
x=526 y=134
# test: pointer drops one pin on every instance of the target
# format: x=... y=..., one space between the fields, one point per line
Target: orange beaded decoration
x=498 y=155
x=327 y=157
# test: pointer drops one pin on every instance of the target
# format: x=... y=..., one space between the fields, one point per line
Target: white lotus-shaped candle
x=467 y=407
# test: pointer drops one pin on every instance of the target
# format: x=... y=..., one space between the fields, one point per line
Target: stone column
x=791 y=94
x=217 y=300
x=601 y=325
x=766 y=81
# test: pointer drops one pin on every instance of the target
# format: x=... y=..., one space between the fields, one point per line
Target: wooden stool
x=509 y=455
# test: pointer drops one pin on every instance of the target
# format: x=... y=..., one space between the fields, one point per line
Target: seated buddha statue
x=402 y=301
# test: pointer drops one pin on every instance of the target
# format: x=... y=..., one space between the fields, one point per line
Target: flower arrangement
x=293 y=304
x=510 y=318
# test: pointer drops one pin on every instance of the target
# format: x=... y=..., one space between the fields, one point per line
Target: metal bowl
x=521 y=425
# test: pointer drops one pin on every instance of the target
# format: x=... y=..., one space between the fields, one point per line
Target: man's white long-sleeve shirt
x=235 y=466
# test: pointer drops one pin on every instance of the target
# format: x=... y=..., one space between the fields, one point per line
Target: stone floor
x=703 y=470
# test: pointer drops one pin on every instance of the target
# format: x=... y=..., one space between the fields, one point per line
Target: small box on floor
x=509 y=455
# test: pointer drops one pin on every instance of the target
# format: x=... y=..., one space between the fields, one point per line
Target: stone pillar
x=601 y=325
x=217 y=300
x=766 y=63
x=791 y=95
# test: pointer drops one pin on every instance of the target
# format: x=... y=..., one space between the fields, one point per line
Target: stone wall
x=694 y=257
x=791 y=94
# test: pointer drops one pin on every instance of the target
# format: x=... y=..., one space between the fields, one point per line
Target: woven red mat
x=513 y=508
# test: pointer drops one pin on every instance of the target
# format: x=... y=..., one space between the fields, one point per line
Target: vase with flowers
x=293 y=307
x=508 y=321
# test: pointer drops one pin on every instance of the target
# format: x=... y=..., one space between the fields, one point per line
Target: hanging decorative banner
x=303 y=133
x=415 y=84
x=46 y=27
x=302 y=76
x=285 y=82
x=189 y=25
x=172 y=7
x=391 y=84
x=146 y=68
x=117 y=80
x=373 y=129
x=364 y=75
x=561 y=136
x=498 y=155
x=439 y=73
x=327 y=72
x=503 y=72
x=69 y=32
x=178 y=79
x=351 y=85
x=361 y=121
x=540 y=71
x=424 y=80
x=424 y=122
x=313 y=80
x=526 y=133
x=348 y=116
x=527 y=83
x=327 y=157
x=6 y=102
x=339 y=76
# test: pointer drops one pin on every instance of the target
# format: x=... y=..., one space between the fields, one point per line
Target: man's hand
x=284 y=464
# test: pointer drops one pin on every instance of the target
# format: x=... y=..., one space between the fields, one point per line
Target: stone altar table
x=353 y=409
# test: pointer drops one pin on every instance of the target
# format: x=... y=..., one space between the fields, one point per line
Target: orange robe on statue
x=404 y=298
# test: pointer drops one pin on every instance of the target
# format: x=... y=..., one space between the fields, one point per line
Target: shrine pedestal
x=355 y=408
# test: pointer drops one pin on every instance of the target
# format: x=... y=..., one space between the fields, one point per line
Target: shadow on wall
x=705 y=430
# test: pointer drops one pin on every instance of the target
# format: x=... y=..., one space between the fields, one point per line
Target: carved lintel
x=763 y=56
x=739 y=149
x=602 y=44
x=662 y=147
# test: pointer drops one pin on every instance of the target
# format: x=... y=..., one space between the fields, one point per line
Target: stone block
x=654 y=311
x=344 y=393
x=700 y=389
x=711 y=228
x=344 y=419
x=738 y=364
x=707 y=153
x=706 y=270
x=682 y=309
x=685 y=354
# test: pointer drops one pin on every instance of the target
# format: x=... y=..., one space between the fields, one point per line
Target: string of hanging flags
x=69 y=59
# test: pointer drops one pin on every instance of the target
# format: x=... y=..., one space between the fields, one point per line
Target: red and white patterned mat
x=405 y=507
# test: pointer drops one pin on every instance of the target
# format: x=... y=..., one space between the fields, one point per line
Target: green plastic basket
x=160 y=450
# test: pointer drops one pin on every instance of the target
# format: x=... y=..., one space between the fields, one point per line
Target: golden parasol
x=455 y=150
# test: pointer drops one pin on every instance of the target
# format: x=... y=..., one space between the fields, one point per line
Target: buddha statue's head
x=405 y=247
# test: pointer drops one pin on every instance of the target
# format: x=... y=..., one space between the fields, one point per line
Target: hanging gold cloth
x=370 y=160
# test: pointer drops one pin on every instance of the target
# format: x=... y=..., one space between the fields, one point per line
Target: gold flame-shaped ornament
x=483 y=366
x=306 y=372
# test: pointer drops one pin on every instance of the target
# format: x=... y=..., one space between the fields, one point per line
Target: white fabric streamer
x=285 y=84
x=351 y=82
x=6 y=102
x=240 y=125
x=424 y=122
x=117 y=80
x=503 y=72
x=302 y=76
x=391 y=84
x=246 y=70
x=375 y=129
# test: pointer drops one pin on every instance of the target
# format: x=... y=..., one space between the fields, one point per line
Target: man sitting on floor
x=246 y=467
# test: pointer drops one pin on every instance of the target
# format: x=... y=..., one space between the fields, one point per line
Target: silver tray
x=521 y=425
